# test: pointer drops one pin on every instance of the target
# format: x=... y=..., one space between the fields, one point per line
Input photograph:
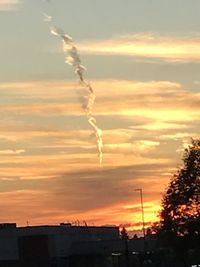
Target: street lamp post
x=142 y=210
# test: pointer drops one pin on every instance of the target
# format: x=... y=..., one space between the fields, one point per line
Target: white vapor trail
x=72 y=58
x=47 y=18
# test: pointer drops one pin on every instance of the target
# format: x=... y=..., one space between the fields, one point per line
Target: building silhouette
x=68 y=245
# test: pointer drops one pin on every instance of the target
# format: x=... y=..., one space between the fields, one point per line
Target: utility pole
x=142 y=211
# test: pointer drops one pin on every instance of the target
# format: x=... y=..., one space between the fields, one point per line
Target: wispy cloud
x=6 y=5
x=120 y=97
x=143 y=114
x=45 y=145
x=11 y=152
x=147 y=45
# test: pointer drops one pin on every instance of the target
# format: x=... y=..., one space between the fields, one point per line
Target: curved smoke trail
x=72 y=58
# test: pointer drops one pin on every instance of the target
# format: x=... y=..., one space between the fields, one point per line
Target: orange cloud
x=47 y=149
x=49 y=201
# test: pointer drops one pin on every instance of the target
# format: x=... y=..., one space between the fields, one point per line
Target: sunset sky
x=143 y=61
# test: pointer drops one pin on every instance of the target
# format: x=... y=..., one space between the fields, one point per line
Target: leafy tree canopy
x=180 y=212
x=124 y=234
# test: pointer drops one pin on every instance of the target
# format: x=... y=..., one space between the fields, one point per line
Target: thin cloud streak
x=123 y=98
x=168 y=48
x=6 y=5
x=12 y=152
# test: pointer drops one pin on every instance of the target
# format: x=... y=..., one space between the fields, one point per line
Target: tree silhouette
x=124 y=234
x=180 y=214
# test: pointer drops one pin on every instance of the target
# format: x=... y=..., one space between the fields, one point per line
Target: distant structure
x=64 y=245
x=47 y=246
